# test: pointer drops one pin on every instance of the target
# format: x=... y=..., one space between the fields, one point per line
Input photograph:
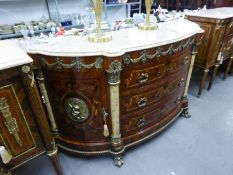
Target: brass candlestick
x=99 y=37
x=147 y=25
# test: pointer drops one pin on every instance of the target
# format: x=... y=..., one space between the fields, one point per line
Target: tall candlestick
x=148 y=25
x=99 y=36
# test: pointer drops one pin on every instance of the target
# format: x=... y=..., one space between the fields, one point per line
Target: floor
x=201 y=145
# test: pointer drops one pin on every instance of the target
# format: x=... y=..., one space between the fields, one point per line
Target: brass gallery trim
x=158 y=52
x=126 y=146
x=76 y=64
x=24 y=118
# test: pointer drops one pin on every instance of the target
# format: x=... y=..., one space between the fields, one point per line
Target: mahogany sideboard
x=107 y=97
x=24 y=130
x=217 y=44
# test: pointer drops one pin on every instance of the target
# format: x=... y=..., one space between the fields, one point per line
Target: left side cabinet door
x=18 y=130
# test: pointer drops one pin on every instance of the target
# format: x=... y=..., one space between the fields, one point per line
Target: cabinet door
x=18 y=130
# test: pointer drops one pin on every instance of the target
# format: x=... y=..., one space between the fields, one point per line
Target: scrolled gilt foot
x=185 y=113
x=118 y=160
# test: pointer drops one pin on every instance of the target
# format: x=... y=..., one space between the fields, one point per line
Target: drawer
x=172 y=101
x=18 y=130
x=134 y=77
x=139 y=121
x=178 y=63
x=175 y=83
x=141 y=99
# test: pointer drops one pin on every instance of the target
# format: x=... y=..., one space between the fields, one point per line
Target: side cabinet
x=22 y=118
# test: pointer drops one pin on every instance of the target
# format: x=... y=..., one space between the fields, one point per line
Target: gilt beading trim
x=158 y=52
x=76 y=64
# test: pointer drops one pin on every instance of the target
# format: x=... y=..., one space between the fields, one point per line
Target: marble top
x=11 y=55
x=123 y=41
x=218 y=13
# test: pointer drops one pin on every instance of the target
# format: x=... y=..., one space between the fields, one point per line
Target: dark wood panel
x=27 y=142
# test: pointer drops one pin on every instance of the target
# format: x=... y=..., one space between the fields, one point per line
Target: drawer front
x=136 y=76
x=18 y=130
x=179 y=63
x=172 y=101
x=139 y=121
x=141 y=100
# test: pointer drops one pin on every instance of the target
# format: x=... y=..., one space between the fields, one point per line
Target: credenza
x=106 y=97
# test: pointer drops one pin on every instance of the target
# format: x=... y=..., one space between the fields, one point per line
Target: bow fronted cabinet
x=107 y=97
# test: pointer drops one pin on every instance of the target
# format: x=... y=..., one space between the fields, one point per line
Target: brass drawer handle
x=178 y=100
x=186 y=60
x=141 y=122
x=143 y=77
x=182 y=81
x=142 y=102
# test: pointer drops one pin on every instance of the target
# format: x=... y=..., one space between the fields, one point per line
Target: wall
x=12 y=11
x=223 y=3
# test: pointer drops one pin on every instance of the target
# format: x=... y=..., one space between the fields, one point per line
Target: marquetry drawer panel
x=141 y=100
x=16 y=123
x=172 y=101
x=139 y=121
x=175 y=83
x=178 y=63
x=136 y=76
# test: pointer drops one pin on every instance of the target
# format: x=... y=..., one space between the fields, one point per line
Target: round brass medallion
x=76 y=109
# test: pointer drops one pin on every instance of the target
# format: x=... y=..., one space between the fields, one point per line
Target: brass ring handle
x=143 y=77
x=182 y=81
x=142 y=102
x=186 y=60
x=141 y=122
x=178 y=100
